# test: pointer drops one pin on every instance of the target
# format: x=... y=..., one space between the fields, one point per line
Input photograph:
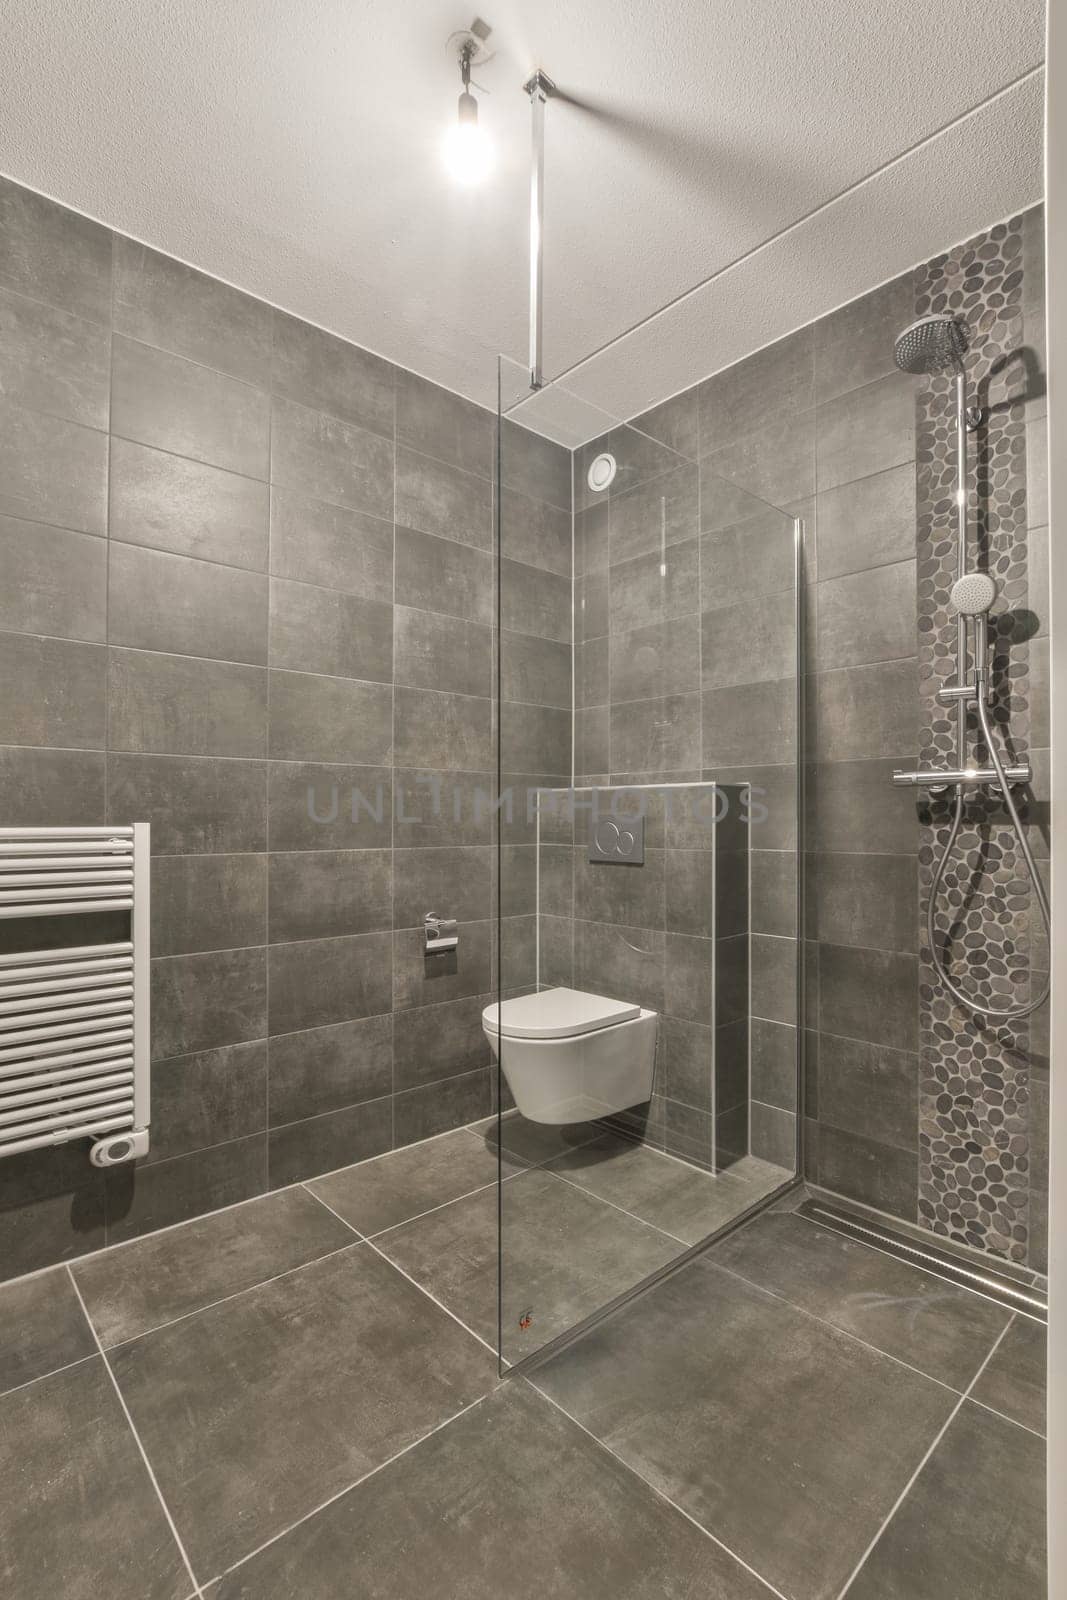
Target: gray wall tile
x=329 y=719
x=325 y=894
x=654 y=589
x=54 y=254
x=776 y=381
x=208 y=903
x=656 y=735
x=167 y=1192
x=325 y=631
x=158 y=601
x=53 y=361
x=439 y=1041
x=322 y=1144
x=535 y=466
x=454 y=882
x=324 y=458
x=187 y=507
x=849 y=981
x=163 y=400
x=532 y=601
x=325 y=1069
x=535 y=533
x=441 y=575
x=313 y=542
x=446 y=731
x=437 y=1107
x=867 y=900
x=864 y=713
x=773 y=1135
x=535 y=736
x=755 y=557
x=437 y=498
x=202 y=1001
x=435 y=422
x=866 y=617
x=754 y=642
x=325 y=373
x=61 y=695
x=433 y=651
x=774 y=1063
x=869 y=522
x=866 y=431
x=870 y=1090
x=437 y=808
x=661 y=511
x=323 y=981
x=52 y=788
x=210 y=1098
x=421 y=980
x=660 y=659
x=863 y=1169
x=854 y=346
x=52 y=471
x=54 y=582
x=314 y=806
x=754 y=722
x=165 y=303
x=178 y=705
x=193 y=805
x=537 y=671
x=774 y=463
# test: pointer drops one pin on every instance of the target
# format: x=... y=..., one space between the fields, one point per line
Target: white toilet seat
x=556 y=1014
x=572 y=1057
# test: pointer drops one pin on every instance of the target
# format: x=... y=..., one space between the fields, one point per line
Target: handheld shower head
x=936 y=343
x=973 y=594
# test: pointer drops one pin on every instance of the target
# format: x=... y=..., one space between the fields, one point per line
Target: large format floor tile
x=565 y=1255
x=534 y=1142
x=944 y=1331
x=42 y=1328
x=168 y=1275
x=972 y=1526
x=681 y=1200
x=788 y=1440
x=393 y=1188
x=1014 y=1383
x=79 y=1518
x=510 y=1498
x=258 y=1409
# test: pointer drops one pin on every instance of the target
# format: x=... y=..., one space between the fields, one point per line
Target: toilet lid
x=556 y=1014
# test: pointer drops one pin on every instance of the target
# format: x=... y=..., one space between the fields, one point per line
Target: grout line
x=659 y=1493
x=439 y=1303
x=1003 y=1416
x=915 y=1475
x=68 y=1366
x=834 y=1327
x=349 y=1487
x=217 y=1211
x=187 y=1316
x=137 y=1440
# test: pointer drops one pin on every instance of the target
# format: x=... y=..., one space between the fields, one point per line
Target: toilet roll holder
x=441 y=933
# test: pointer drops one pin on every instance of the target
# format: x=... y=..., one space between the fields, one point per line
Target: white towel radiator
x=74 y=1022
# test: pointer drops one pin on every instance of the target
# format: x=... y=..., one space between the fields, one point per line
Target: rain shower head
x=933 y=344
x=973 y=594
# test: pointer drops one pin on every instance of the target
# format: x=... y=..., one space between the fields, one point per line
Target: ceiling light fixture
x=468 y=152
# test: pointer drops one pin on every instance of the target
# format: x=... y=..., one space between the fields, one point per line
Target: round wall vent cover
x=601 y=473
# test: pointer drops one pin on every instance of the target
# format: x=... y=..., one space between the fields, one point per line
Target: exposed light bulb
x=468 y=151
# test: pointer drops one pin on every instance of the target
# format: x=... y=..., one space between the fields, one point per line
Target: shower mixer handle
x=971 y=777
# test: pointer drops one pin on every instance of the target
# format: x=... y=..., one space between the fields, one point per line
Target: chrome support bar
x=539 y=88
x=965 y=775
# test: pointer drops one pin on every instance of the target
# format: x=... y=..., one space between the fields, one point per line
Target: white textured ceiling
x=292 y=147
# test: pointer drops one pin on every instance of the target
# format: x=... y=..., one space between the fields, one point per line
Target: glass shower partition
x=646 y=1015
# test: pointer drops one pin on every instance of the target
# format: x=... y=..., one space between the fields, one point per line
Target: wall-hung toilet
x=569 y=1056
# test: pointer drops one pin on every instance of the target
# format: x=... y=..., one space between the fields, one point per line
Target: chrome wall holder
x=441 y=933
